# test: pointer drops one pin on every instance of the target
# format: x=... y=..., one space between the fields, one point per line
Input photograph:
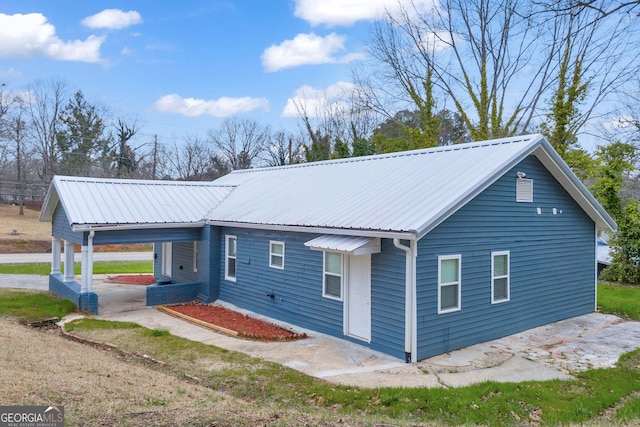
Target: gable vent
x=524 y=190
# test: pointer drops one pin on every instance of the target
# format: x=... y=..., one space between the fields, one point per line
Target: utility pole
x=155 y=156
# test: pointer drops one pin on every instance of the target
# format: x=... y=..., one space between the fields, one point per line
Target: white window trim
x=341 y=275
x=227 y=257
x=167 y=259
x=440 y=285
x=272 y=254
x=507 y=276
x=195 y=256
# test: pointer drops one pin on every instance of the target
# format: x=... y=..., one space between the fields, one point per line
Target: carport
x=94 y=211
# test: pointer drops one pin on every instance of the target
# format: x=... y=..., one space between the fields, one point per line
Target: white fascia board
x=114 y=227
x=403 y=235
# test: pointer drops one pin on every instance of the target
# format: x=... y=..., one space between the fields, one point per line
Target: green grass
x=500 y=404
x=101 y=267
x=30 y=305
x=621 y=300
x=260 y=382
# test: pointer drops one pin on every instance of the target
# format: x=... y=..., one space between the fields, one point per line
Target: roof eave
x=389 y=234
x=136 y=226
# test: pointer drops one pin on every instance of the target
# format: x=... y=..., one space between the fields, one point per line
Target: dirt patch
x=24 y=227
x=243 y=325
x=132 y=279
x=20 y=246
x=96 y=388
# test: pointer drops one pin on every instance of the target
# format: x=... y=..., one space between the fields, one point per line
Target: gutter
x=407 y=235
x=89 y=227
x=411 y=253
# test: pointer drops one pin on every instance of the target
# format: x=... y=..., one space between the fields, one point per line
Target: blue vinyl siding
x=62 y=229
x=552 y=263
x=298 y=288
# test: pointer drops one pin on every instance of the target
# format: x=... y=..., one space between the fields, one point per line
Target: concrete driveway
x=547 y=352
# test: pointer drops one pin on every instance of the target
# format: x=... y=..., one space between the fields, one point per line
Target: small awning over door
x=351 y=245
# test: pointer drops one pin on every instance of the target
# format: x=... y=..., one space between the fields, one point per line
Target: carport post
x=87 y=264
x=55 y=253
x=69 y=252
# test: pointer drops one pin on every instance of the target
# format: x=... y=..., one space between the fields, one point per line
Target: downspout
x=409 y=299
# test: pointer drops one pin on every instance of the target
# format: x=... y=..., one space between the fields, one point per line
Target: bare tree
x=283 y=149
x=123 y=154
x=44 y=107
x=17 y=133
x=497 y=62
x=240 y=141
x=194 y=160
x=334 y=123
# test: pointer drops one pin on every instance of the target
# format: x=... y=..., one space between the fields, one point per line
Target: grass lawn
x=599 y=396
x=100 y=267
x=27 y=305
x=260 y=382
x=621 y=300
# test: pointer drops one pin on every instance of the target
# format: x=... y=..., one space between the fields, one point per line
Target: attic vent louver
x=524 y=190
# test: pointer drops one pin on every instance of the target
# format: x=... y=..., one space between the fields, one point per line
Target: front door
x=358 y=308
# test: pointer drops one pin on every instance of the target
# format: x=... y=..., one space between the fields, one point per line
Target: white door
x=358 y=312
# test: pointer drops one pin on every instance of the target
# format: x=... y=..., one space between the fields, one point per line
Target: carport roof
x=98 y=202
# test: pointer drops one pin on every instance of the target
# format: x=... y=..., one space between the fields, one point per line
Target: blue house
x=413 y=254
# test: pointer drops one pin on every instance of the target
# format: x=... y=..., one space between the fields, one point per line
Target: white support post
x=55 y=252
x=69 y=252
x=87 y=264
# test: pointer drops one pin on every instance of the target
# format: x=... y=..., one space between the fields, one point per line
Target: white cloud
x=624 y=121
x=306 y=49
x=318 y=102
x=25 y=36
x=112 y=19
x=222 y=107
x=345 y=13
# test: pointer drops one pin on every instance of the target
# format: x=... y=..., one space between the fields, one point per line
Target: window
x=195 y=257
x=449 y=271
x=524 y=190
x=276 y=254
x=499 y=277
x=230 y=259
x=332 y=281
x=167 y=258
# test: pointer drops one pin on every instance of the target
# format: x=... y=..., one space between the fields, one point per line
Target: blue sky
x=181 y=67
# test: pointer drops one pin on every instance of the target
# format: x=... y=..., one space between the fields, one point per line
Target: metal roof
x=402 y=195
x=347 y=244
x=409 y=192
x=95 y=202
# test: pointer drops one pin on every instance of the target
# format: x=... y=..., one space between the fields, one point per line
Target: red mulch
x=245 y=326
x=133 y=279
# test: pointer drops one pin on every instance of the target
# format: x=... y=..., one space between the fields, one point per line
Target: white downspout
x=409 y=299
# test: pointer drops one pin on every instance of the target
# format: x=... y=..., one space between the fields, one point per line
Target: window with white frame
x=332 y=277
x=276 y=254
x=230 y=258
x=500 y=291
x=195 y=256
x=449 y=283
x=167 y=258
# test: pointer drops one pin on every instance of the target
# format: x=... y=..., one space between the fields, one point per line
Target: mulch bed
x=243 y=325
x=133 y=279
